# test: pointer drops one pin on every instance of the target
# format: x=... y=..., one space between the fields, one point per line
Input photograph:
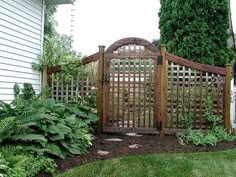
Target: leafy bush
x=216 y=133
x=61 y=129
x=58 y=51
x=19 y=161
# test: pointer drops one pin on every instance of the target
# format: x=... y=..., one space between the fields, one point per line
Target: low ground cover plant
x=216 y=132
x=45 y=126
x=23 y=161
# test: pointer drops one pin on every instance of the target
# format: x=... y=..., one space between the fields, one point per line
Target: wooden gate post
x=44 y=80
x=163 y=89
x=227 y=97
x=100 y=75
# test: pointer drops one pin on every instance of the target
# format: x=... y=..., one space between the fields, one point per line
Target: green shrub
x=19 y=161
x=62 y=129
x=216 y=133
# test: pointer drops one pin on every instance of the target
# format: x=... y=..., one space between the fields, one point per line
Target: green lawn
x=212 y=164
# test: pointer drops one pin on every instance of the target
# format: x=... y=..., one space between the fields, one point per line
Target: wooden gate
x=133 y=94
x=131 y=84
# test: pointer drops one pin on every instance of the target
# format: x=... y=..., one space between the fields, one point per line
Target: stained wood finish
x=138 y=93
x=100 y=93
x=81 y=85
x=91 y=58
x=194 y=65
x=227 y=97
x=163 y=91
x=131 y=68
x=53 y=69
x=189 y=88
x=138 y=41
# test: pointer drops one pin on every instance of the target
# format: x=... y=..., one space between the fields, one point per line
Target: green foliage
x=209 y=114
x=57 y=51
x=196 y=30
x=28 y=91
x=39 y=127
x=57 y=48
x=62 y=129
x=187 y=120
x=49 y=21
x=216 y=133
x=21 y=161
x=90 y=99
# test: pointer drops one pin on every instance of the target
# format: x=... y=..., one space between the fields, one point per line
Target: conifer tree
x=196 y=30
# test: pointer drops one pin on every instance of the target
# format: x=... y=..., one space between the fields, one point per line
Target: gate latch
x=159 y=60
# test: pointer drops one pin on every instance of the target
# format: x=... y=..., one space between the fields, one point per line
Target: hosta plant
x=62 y=129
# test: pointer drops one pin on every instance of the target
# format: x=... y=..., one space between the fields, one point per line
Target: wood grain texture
x=100 y=94
x=132 y=40
x=227 y=97
x=194 y=65
x=163 y=83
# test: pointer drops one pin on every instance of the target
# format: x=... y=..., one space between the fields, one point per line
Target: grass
x=208 y=164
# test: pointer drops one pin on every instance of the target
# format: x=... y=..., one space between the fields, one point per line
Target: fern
x=5 y=123
x=6 y=110
x=33 y=116
x=29 y=137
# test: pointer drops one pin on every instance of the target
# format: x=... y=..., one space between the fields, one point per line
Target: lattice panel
x=131 y=93
x=188 y=90
x=80 y=85
x=131 y=48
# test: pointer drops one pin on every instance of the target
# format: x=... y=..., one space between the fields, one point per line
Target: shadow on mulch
x=150 y=144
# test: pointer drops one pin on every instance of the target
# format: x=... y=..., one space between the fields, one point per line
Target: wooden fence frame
x=212 y=69
x=100 y=56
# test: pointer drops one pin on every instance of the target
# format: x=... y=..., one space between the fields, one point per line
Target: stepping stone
x=135 y=146
x=114 y=139
x=133 y=134
x=100 y=152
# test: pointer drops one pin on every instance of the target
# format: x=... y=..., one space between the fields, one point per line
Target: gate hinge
x=159 y=125
x=159 y=60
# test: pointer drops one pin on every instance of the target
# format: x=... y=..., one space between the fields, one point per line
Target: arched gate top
x=132 y=40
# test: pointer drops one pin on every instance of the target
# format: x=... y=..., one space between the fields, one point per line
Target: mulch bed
x=150 y=144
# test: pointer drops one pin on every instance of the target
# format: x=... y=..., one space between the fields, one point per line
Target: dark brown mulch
x=150 y=144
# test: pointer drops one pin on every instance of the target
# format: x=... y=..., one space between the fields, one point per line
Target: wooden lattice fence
x=190 y=85
x=80 y=85
x=142 y=89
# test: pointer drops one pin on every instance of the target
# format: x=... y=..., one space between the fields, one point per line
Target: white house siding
x=20 y=44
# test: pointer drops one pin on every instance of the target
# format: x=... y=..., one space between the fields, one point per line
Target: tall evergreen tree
x=49 y=21
x=197 y=30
